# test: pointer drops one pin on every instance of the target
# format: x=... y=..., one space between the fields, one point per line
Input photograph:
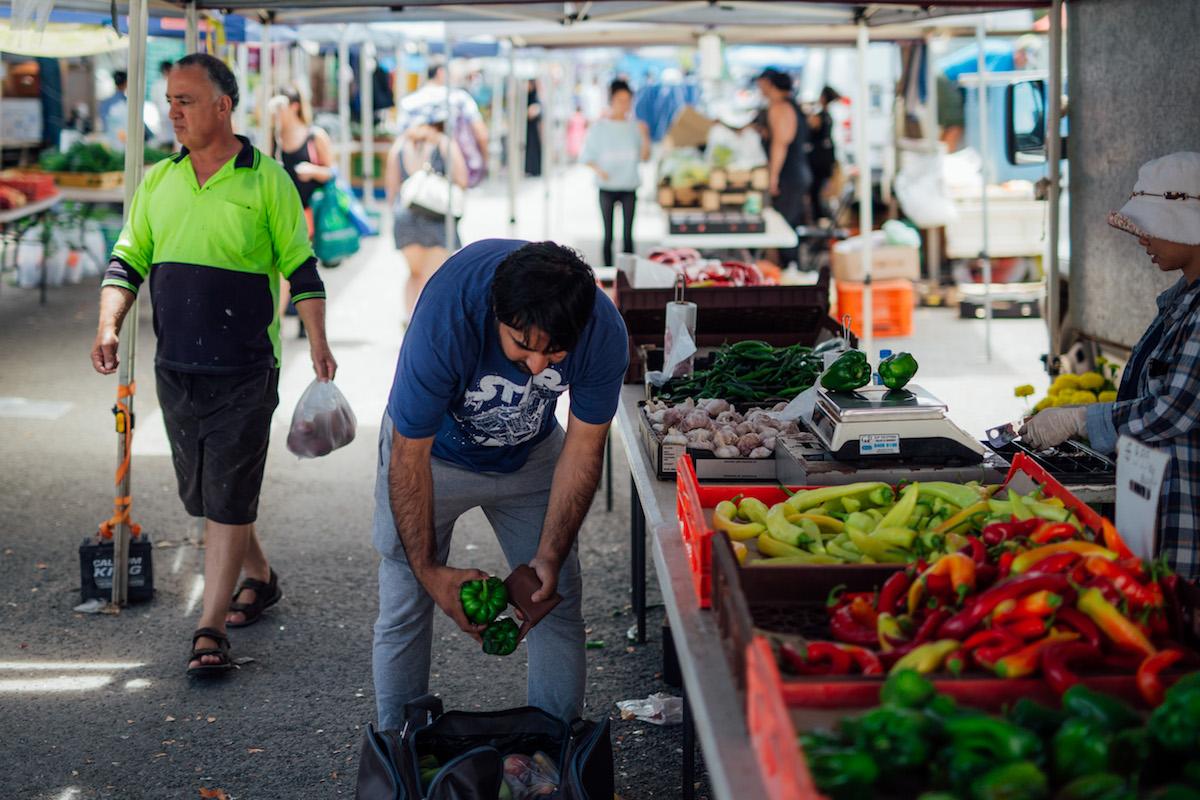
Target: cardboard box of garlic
x=725 y=443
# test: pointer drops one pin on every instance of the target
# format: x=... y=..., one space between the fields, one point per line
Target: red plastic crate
x=1025 y=466
x=35 y=186
x=691 y=501
x=892 y=305
x=781 y=763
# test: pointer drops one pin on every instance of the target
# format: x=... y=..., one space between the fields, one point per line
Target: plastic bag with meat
x=322 y=422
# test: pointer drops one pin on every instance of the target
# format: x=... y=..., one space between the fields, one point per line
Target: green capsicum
x=1032 y=715
x=483 y=600
x=1176 y=723
x=1020 y=780
x=898 y=738
x=1081 y=747
x=1097 y=786
x=501 y=637
x=851 y=371
x=843 y=774
x=897 y=370
x=906 y=689
x=1106 y=711
x=999 y=739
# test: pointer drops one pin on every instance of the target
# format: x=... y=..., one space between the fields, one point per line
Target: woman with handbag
x=306 y=152
x=425 y=176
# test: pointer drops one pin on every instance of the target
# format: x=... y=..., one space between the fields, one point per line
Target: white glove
x=1053 y=426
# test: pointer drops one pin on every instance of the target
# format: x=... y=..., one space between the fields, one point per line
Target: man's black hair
x=619 y=85
x=780 y=80
x=432 y=70
x=165 y=66
x=120 y=78
x=546 y=286
x=220 y=75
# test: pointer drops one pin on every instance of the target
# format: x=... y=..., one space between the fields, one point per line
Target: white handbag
x=431 y=192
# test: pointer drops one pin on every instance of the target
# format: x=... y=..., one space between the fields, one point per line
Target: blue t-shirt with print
x=454 y=382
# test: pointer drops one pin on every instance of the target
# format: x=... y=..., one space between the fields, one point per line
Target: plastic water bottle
x=884 y=353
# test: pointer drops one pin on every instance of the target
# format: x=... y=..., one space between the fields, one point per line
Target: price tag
x=1140 y=472
x=879 y=444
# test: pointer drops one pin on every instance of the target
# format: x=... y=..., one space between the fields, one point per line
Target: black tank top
x=290 y=159
x=795 y=173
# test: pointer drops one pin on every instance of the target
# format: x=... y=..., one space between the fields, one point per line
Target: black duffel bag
x=470 y=749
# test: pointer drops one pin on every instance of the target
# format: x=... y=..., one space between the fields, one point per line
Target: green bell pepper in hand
x=897 y=370
x=501 y=637
x=483 y=600
x=851 y=371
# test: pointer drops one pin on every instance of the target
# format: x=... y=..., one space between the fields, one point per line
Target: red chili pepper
x=940 y=587
x=1080 y=623
x=930 y=624
x=978 y=608
x=890 y=657
x=1027 y=627
x=845 y=628
x=1052 y=531
x=976 y=550
x=1149 y=682
x=1024 y=661
x=817 y=658
x=1170 y=588
x=1057 y=660
x=999 y=532
x=985 y=576
x=863 y=611
x=1059 y=563
x=987 y=646
x=1125 y=582
x=956 y=662
x=1005 y=564
x=893 y=589
x=867 y=661
x=1123 y=660
x=838 y=596
x=1160 y=625
x=1113 y=540
x=1038 y=605
x=959 y=568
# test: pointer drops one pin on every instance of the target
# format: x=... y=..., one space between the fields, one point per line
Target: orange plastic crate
x=892 y=306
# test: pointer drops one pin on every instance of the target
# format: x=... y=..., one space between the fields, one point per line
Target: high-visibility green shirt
x=214 y=255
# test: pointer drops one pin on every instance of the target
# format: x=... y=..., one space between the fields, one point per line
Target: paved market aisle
x=98 y=706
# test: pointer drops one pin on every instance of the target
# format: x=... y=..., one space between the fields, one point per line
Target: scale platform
x=875 y=423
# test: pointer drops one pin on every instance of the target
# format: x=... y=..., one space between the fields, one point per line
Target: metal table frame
x=713 y=709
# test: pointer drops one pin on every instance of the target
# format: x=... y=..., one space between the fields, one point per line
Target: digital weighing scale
x=875 y=423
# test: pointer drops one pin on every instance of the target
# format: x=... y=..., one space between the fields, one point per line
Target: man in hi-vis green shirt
x=213 y=228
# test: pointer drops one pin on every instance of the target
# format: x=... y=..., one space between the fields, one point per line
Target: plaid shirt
x=1165 y=413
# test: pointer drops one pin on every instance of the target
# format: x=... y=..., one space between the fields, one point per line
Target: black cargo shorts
x=219 y=427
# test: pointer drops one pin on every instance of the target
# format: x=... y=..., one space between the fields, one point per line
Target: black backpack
x=470 y=748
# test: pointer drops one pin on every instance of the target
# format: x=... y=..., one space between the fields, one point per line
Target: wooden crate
x=89 y=180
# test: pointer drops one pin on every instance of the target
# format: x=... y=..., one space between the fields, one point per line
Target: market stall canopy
x=61 y=40
x=727 y=15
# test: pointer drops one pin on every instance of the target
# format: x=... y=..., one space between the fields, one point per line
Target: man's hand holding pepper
x=443 y=585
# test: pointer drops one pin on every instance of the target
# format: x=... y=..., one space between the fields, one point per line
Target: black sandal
x=221 y=651
x=265 y=595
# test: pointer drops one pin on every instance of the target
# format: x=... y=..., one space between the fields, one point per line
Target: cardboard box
x=690 y=128
x=888 y=261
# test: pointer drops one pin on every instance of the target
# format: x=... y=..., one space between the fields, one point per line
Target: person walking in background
x=470 y=128
x=821 y=156
x=533 y=131
x=214 y=227
x=615 y=145
x=784 y=137
x=306 y=153
x=419 y=234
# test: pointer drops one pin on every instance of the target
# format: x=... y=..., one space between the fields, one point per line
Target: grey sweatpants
x=515 y=505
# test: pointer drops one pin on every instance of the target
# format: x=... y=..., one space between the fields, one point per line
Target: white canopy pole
x=982 y=95
x=933 y=238
x=265 y=123
x=451 y=124
x=1053 y=154
x=343 y=93
x=191 y=37
x=366 y=106
x=135 y=144
x=547 y=119
x=865 y=210
x=513 y=141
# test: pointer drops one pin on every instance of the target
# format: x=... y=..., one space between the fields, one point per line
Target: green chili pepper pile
x=919 y=743
x=750 y=371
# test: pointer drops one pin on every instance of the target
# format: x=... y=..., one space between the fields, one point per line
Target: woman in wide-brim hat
x=1159 y=398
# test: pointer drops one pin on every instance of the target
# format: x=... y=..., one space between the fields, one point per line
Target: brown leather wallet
x=521 y=585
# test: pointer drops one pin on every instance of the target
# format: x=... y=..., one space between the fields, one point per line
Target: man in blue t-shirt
x=500 y=332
